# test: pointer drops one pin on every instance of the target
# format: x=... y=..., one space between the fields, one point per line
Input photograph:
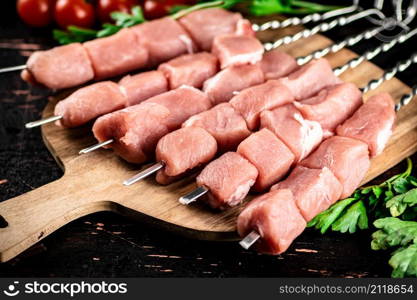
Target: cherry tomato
x=36 y=13
x=74 y=12
x=106 y=7
x=159 y=8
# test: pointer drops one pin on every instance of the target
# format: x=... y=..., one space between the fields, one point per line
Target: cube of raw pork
x=164 y=39
x=331 y=106
x=116 y=54
x=185 y=149
x=347 y=158
x=190 y=69
x=309 y=79
x=276 y=64
x=300 y=135
x=223 y=86
x=253 y=100
x=71 y=62
x=372 y=123
x=228 y=178
x=269 y=155
x=135 y=130
x=235 y=50
x=204 y=25
x=182 y=103
x=81 y=106
x=275 y=217
x=142 y=86
x=314 y=190
x=226 y=125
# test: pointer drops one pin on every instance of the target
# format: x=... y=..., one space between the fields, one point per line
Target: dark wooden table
x=107 y=245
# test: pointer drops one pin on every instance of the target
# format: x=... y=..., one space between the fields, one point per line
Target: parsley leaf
x=404 y=262
x=393 y=232
x=398 y=204
x=355 y=217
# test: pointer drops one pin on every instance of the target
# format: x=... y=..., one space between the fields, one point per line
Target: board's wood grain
x=92 y=182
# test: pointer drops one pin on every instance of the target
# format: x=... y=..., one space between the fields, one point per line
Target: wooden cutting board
x=93 y=182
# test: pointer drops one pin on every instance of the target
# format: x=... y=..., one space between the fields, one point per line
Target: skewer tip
x=193 y=196
x=249 y=240
x=95 y=147
x=42 y=122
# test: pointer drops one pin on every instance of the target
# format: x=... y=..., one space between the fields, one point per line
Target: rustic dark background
x=107 y=245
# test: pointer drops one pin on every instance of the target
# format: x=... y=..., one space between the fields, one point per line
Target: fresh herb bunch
x=267 y=7
x=392 y=206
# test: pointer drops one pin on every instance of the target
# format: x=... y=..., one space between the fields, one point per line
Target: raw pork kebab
x=136 y=130
x=141 y=46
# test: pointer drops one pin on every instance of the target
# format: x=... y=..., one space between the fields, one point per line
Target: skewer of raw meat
x=100 y=59
x=250 y=111
x=144 y=85
x=331 y=173
x=224 y=194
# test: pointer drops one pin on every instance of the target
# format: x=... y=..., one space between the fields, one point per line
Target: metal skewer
x=43 y=121
x=253 y=236
x=145 y=173
x=95 y=147
x=316 y=17
x=194 y=195
x=12 y=69
x=302 y=60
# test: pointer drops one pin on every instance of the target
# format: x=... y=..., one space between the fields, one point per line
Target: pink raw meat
x=309 y=79
x=253 y=100
x=185 y=149
x=226 y=125
x=300 y=135
x=204 y=25
x=90 y=102
x=235 y=50
x=59 y=68
x=223 y=86
x=331 y=106
x=372 y=123
x=228 y=178
x=164 y=39
x=135 y=130
x=190 y=69
x=182 y=103
x=275 y=217
x=116 y=54
x=142 y=86
x=276 y=64
x=347 y=158
x=314 y=190
x=269 y=155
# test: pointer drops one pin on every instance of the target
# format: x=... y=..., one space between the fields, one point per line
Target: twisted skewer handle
x=323 y=27
x=368 y=55
x=389 y=74
x=294 y=21
x=406 y=98
x=350 y=41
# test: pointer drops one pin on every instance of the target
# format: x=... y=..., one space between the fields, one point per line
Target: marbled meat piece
x=225 y=84
x=226 y=125
x=89 y=102
x=142 y=86
x=60 y=67
x=275 y=217
x=314 y=190
x=135 y=130
x=347 y=158
x=300 y=135
x=251 y=101
x=271 y=157
x=228 y=178
x=276 y=64
x=116 y=54
x=372 y=123
x=190 y=69
x=184 y=149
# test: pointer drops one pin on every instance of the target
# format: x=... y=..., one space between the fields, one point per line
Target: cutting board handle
x=34 y=215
